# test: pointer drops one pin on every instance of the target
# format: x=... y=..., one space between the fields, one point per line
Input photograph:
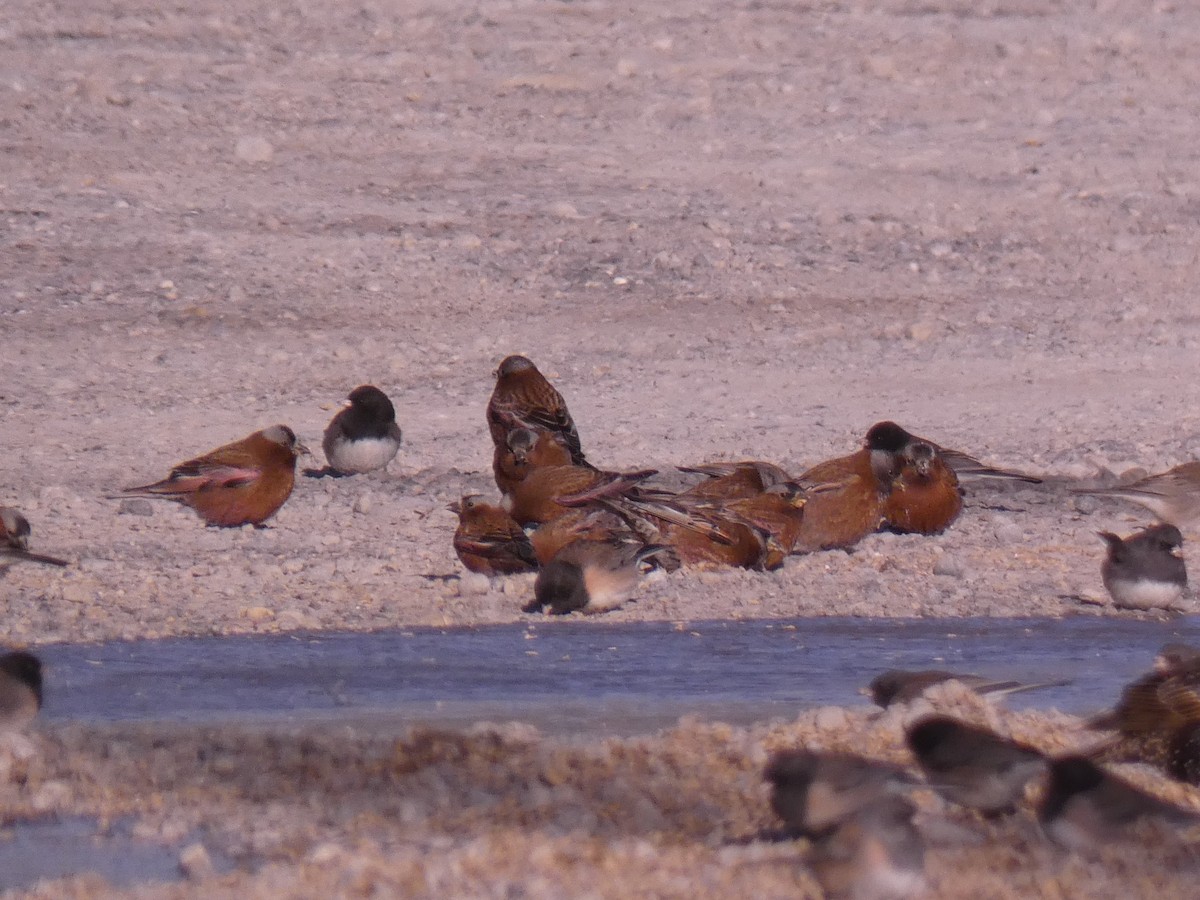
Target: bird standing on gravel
x=523 y=397
x=489 y=541
x=243 y=483
x=14 y=540
x=924 y=496
x=1146 y=569
x=364 y=436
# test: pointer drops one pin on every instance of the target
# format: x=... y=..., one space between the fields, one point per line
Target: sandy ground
x=725 y=230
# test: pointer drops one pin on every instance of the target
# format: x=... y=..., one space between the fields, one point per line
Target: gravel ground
x=724 y=230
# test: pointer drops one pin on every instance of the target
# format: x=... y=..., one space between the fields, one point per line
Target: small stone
x=922 y=331
x=950 y=566
x=562 y=209
x=324 y=854
x=137 y=506
x=830 y=718
x=51 y=795
x=362 y=505
x=626 y=68
x=473 y=584
x=257 y=613
x=1086 y=504
x=195 y=863
x=254 y=149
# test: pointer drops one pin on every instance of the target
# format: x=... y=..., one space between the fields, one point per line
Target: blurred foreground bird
x=489 y=541
x=14 y=540
x=1173 y=496
x=1145 y=570
x=1160 y=701
x=875 y=854
x=814 y=792
x=903 y=686
x=1086 y=809
x=20 y=689
x=523 y=397
x=973 y=766
x=364 y=435
x=238 y=484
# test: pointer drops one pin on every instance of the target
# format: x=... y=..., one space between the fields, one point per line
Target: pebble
x=473 y=584
x=254 y=149
x=362 y=505
x=1086 y=504
x=830 y=718
x=950 y=566
x=195 y=863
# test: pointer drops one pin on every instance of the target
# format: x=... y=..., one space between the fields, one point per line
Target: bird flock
x=589 y=533
x=867 y=838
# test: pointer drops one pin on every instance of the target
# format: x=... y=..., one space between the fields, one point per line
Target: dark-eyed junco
x=238 y=484
x=904 y=686
x=813 y=792
x=972 y=766
x=364 y=435
x=924 y=496
x=523 y=397
x=489 y=541
x=875 y=854
x=20 y=689
x=1085 y=808
x=1173 y=496
x=1146 y=569
x=14 y=540
x=590 y=577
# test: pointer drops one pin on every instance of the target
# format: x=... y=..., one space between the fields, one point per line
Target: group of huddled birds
x=589 y=534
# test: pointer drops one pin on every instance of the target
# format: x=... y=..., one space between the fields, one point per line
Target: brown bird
x=241 y=483
x=535 y=499
x=364 y=436
x=972 y=766
x=815 y=792
x=14 y=540
x=523 y=396
x=778 y=513
x=1159 y=702
x=1173 y=496
x=901 y=686
x=1085 y=808
x=20 y=689
x=700 y=533
x=924 y=497
x=525 y=449
x=733 y=480
x=840 y=518
x=589 y=577
x=966 y=468
x=489 y=541
x=587 y=524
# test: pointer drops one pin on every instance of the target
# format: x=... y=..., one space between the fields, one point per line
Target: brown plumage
x=1173 y=496
x=700 y=532
x=525 y=449
x=523 y=397
x=778 y=513
x=588 y=524
x=238 y=484
x=14 y=540
x=534 y=500
x=489 y=541
x=733 y=480
x=924 y=496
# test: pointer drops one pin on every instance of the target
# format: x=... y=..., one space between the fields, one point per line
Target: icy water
x=585 y=676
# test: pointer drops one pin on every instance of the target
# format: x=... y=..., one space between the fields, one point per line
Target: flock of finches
x=590 y=533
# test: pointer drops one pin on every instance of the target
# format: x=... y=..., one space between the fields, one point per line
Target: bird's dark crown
x=792 y=767
x=513 y=364
x=887 y=436
x=373 y=401
x=931 y=732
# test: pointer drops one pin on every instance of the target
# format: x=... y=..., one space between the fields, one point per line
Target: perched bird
x=588 y=523
x=543 y=493
x=1173 y=496
x=1146 y=569
x=241 y=483
x=1086 y=808
x=523 y=396
x=14 y=540
x=733 y=480
x=364 y=435
x=924 y=496
x=20 y=689
x=875 y=854
x=815 y=792
x=966 y=468
x=778 y=513
x=489 y=541
x=523 y=451
x=972 y=766
x=902 y=686
x=589 y=576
